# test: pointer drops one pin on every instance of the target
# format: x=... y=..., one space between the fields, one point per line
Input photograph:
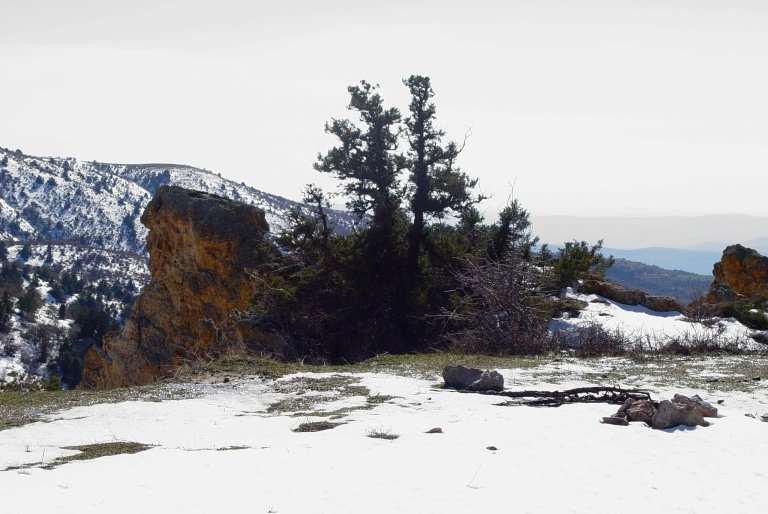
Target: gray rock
x=472 y=379
x=707 y=410
x=678 y=411
x=641 y=410
x=615 y=420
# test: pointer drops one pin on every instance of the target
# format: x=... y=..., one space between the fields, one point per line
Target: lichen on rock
x=202 y=248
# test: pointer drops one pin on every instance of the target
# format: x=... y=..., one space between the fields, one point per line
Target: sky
x=588 y=108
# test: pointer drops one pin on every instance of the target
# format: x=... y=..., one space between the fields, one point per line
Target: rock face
x=626 y=296
x=472 y=379
x=741 y=272
x=201 y=247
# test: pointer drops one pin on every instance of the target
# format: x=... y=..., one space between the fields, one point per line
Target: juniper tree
x=367 y=161
x=438 y=186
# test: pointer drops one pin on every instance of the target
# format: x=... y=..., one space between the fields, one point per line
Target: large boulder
x=740 y=273
x=681 y=410
x=202 y=248
x=621 y=294
x=472 y=379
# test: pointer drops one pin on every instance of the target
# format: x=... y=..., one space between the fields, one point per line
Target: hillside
x=76 y=253
x=99 y=204
x=680 y=285
x=699 y=262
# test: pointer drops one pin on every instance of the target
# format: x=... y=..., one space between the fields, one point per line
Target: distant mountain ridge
x=680 y=285
x=99 y=204
x=699 y=262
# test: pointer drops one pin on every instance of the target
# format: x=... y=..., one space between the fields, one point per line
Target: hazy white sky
x=590 y=107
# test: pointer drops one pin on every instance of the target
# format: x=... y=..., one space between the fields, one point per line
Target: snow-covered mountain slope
x=60 y=293
x=99 y=204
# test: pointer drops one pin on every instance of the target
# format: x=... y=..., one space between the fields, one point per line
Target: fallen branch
x=596 y=394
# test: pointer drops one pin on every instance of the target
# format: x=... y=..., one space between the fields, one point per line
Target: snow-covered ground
x=640 y=323
x=231 y=450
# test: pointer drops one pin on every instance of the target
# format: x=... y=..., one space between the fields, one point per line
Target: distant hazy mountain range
x=709 y=233
x=689 y=243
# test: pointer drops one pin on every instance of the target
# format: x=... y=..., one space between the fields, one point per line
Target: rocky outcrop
x=472 y=379
x=626 y=296
x=740 y=273
x=201 y=247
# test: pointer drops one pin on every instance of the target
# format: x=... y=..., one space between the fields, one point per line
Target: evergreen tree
x=368 y=164
x=438 y=186
x=6 y=311
x=513 y=228
x=26 y=252
x=3 y=251
x=577 y=259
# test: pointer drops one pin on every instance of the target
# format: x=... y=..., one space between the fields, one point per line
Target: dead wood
x=595 y=394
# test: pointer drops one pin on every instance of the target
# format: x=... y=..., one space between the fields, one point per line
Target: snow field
x=548 y=459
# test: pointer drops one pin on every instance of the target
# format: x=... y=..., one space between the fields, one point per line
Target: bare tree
x=503 y=306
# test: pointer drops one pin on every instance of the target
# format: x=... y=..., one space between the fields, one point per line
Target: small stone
x=226 y=380
x=720 y=402
x=750 y=415
x=492 y=448
x=756 y=379
x=436 y=430
x=764 y=418
x=615 y=420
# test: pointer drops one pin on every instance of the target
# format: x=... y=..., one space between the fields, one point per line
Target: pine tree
x=368 y=163
x=438 y=186
x=26 y=252
x=6 y=311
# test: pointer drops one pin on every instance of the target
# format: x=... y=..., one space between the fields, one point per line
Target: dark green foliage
x=512 y=229
x=69 y=363
x=90 y=316
x=3 y=251
x=6 y=311
x=29 y=302
x=750 y=312
x=437 y=186
x=338 y=297
x=406 y=279
x=576 y=260
x=25 y=253
x=53 y=383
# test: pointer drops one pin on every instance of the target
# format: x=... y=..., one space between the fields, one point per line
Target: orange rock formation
x=741 y=272
x=201 y=247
